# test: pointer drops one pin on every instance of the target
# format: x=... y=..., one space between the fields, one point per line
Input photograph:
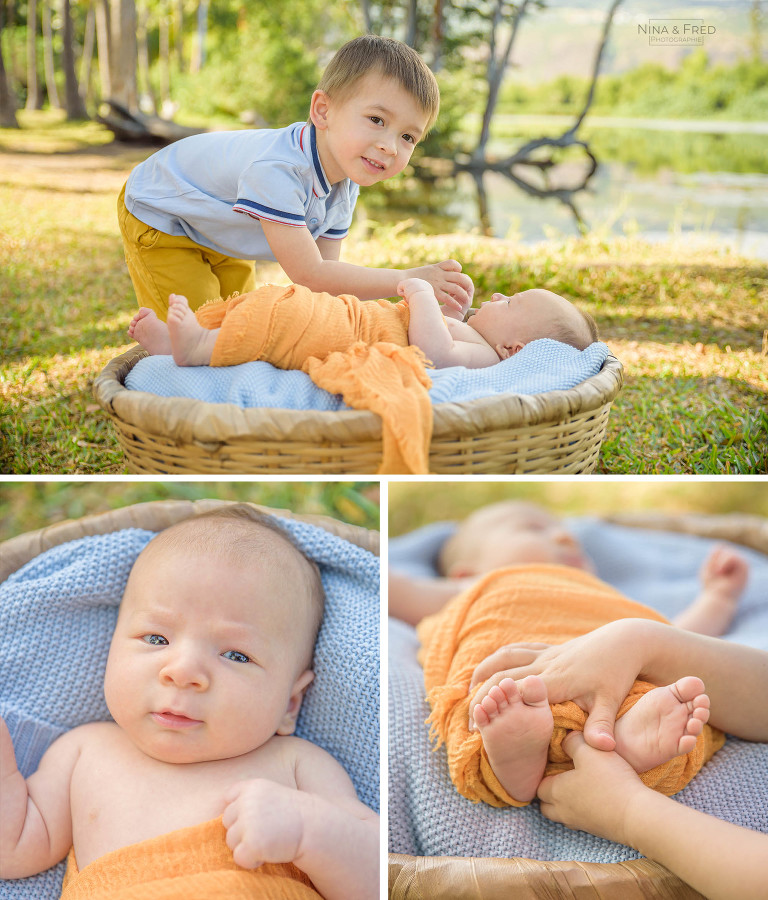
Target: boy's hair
x=237 y=532
x=391 y=59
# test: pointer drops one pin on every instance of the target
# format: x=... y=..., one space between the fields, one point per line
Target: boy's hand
x=452 y=287
x=725 y=571
x=596 y=796
x=264 y=823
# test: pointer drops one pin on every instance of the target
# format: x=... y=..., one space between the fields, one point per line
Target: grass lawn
x=689 y=326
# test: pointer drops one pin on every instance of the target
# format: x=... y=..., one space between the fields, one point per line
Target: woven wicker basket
x=560 y=431
x=153 y=515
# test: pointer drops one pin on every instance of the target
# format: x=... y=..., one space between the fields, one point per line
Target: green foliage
x=697 y=89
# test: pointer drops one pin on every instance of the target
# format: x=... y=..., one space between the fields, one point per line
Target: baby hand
x=452 y=287
x=725 y=571
x=264 y=823
x=410 y=286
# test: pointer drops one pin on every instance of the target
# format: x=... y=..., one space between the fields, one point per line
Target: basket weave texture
x=555 y=432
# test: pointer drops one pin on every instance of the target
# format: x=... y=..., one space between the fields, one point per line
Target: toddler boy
x=199 y=777
x=195 y=215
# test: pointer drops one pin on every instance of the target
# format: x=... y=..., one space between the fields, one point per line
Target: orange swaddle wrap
x=534 y=603
x=358 y=349
x=187 y=864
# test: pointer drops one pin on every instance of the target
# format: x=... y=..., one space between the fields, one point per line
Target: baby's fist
x=725 y=570
x=264 y=823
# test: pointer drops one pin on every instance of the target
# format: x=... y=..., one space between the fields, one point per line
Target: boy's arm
x=604 y=796
x=35 y=816
x=322 y=827
x=317 y=267
x=428 y=331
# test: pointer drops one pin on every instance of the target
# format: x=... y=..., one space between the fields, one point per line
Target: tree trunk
x=412 y=24
x=147 y=101
x=438 y=36
x=123 y=53
x=178 y=35
x=495 y=74
x=48 y=63
x=198 y=54
x=164 y=52
x=7 y=102
x=73 y=101
x=103 y=43
x=86 y=60
x=34 y=93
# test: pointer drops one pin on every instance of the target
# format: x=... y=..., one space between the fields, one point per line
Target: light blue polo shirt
x=215 y=187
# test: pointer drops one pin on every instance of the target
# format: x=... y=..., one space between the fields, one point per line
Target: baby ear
x=506 y=350
x=288 y=722
x=318 y=109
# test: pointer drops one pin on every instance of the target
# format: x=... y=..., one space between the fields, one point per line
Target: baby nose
x=184 y=671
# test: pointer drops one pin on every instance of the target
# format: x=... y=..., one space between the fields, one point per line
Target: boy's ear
x=318 y=109
x=288 y=722
x=506 y=350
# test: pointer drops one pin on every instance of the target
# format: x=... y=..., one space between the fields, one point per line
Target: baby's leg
x=664 y=723
x=150 y=332
x=191 y=344
x=515 y=723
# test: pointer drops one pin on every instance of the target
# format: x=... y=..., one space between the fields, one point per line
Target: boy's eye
x=236 y=656
x=156 y=639
x=377 y=120
x=410 y=138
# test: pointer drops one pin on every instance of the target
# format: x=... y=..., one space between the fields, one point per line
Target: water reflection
x=681 y=184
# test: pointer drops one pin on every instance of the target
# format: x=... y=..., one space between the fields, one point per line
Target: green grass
x=688 y=325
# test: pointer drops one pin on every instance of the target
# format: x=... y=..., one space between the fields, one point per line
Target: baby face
x=204 y=662
x=517 y=534
x=509 y=323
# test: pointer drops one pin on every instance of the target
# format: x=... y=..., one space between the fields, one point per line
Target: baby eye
x=377 y=120
x=409 y=138
x=155 y=639
x=236 y=656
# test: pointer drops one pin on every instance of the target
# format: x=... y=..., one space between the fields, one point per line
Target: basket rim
x=155 y=515
x=187 y=420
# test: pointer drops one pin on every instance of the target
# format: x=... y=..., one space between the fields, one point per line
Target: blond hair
x=240 y=533
x=389 y=59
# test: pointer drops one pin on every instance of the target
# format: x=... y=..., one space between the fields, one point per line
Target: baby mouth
x=168 y=719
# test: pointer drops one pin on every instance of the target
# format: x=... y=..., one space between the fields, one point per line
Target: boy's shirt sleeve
x=273 y=190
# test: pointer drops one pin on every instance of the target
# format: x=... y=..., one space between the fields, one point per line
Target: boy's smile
x=369 y=135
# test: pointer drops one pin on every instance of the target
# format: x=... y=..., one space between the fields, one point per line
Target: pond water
x=655 y=183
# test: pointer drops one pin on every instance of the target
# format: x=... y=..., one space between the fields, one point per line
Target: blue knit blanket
x=57 y=615
x=543 y=365
x=428 y=817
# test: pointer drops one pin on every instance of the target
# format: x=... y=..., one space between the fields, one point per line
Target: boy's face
x=517 y=534
x=509 y=323
x=205 y=662
x=369 y=135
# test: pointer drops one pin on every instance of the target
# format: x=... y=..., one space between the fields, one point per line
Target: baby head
x=374 y=60
x=508 y=533
x=213 y=645
x=509 y=323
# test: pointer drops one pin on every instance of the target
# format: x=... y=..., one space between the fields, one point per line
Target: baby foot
x=664 y=723
x=515 y=723
x=150 y=332
x=191 y=344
